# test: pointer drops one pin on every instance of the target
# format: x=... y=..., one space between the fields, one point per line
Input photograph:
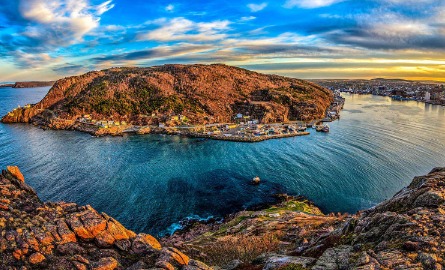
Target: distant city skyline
x=308 y=39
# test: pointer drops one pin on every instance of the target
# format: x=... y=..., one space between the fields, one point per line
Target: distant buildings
x=433 y=93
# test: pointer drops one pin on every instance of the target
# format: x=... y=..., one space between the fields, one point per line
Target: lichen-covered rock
x=37 y=235
x=404 y=232
x=174 y=257
x=36 y=258
x=15 y=172
x=108 y=263
x=283 y=261
x=145 y=243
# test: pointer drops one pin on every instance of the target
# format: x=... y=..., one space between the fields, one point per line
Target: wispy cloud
x=257 y=7
x=310 y=3
x=170 y=8
x=247 y=18
x=152 y=54
x=181 y=29
x=49 y=26
x=289 y=37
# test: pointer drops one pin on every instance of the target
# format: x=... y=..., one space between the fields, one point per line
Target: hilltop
x=404 y=232
x=172 y=95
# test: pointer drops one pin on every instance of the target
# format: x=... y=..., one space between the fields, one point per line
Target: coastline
x=287 y=130
x=174 y=131
x=398 y=233
x=402 y=232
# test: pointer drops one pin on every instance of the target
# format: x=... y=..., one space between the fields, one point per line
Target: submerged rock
x=256 y=180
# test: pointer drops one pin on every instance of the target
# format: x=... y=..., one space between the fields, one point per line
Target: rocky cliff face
x=203 y=93
x=405 y=232
x=37 y=235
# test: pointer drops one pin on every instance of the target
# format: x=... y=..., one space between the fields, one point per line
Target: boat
x=325 y=128
x=301 y=128
x=322 y=128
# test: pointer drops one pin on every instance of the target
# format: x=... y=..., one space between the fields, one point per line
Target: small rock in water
x=256 y=180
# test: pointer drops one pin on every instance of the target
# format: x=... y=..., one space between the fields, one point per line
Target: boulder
x=173 y=256
x=117 y=230
x=104 y=239
x=145 y=243
x=36 y=258
x=65 y=233
x=15 y=172
x=107 y=263
x=282 y=261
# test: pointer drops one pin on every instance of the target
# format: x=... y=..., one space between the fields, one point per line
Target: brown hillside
x=203 y=93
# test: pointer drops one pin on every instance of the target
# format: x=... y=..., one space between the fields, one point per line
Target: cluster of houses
x=245 y=119
x=87 y=119
x=253 y=130
x=333 y=112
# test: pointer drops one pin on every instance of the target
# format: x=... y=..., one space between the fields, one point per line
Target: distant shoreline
x=30 y=84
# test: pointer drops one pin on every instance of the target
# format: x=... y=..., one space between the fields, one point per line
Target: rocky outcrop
x=37 y=235
x=202 y=93
x=404 y=232
x=21 y=115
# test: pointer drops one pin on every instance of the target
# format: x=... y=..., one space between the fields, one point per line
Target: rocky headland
x=404 y=232
x=116 y=100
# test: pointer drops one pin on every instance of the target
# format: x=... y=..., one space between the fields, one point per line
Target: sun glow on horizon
x=47 y=40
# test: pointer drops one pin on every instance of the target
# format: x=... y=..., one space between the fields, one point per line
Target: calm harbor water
x=151 y=182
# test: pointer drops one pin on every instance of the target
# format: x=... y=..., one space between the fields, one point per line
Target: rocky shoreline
x=404 y=232
x=37 y=235
x=19 y=116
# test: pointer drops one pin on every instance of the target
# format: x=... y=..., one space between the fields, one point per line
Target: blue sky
x=50 y=39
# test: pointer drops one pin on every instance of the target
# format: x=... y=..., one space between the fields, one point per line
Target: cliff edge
x=37 y=235
x=404 y=232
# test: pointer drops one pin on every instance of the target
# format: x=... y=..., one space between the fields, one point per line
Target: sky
x=309 y=39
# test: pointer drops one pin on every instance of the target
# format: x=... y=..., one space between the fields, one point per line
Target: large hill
x=202 y=93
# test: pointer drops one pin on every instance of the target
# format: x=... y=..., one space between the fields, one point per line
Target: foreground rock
x=405 y=232
x=63 y=235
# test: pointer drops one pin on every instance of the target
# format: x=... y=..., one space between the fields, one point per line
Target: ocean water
x=151 y=182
